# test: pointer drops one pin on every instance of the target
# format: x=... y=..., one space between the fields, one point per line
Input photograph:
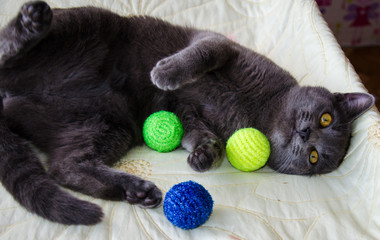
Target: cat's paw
x=170 y=74
x=143 y=193
x=205 y=156
x=35 y=17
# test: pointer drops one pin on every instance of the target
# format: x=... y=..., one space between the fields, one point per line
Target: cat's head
x=312 y=131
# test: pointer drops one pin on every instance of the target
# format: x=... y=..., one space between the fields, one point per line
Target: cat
x=78 y=84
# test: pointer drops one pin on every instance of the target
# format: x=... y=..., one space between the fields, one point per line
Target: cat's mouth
x=289 y=137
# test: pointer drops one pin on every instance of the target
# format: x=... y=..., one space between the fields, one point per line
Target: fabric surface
x=344 y=204
x=354 y=22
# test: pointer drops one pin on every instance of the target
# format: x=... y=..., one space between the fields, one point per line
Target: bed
x=344 y=204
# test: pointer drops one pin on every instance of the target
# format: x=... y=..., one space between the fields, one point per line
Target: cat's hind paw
x=35 y=17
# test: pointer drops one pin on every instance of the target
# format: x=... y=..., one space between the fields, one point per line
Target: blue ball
x=188 y=205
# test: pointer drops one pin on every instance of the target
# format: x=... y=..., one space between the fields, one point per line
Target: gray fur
x=79 y=83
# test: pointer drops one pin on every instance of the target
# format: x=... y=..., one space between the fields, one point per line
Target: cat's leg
x=24 y=31
x=205 y=147
x=206 y=52
x=81 y=163
x=101 y=181
x=80 y=151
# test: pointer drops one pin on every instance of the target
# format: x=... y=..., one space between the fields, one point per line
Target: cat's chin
x=282 y=162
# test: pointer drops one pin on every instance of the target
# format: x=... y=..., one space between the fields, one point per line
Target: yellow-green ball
x=248 y=149
x=162 y=131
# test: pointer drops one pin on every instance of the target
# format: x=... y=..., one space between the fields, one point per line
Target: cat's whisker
x=285 y=164
x=86 y=95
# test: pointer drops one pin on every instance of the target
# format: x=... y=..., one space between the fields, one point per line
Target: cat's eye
x=313 y=158
x=325 y=120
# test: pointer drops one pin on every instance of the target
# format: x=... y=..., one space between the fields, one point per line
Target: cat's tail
x=23 y=175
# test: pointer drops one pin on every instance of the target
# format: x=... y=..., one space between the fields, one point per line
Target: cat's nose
x=304 y=134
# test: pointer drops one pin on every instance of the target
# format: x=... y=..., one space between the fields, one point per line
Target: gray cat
x=79 y=83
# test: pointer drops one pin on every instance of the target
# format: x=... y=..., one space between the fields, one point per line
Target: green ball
x=162 y=131
x=248 y=149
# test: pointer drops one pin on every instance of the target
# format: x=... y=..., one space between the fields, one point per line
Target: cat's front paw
x=35 y=17
x=205 y=156
x=143 y=193
x=170 y=74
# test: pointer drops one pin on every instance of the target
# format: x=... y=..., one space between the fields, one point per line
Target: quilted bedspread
x=344 y=204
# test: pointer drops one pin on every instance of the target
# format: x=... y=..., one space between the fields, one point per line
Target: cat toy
x=248 y=149
x=188 y=205
x=162 y=131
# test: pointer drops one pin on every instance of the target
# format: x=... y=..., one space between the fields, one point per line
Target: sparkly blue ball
x=188 y=205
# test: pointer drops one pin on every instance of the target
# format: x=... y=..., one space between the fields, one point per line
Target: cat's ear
x=354 y=104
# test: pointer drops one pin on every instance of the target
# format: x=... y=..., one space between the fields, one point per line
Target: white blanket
x=344 y=204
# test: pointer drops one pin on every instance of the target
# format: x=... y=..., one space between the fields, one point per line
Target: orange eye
x=325 y=120
x=313 y=158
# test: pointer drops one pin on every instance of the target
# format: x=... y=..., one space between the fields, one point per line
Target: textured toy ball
x=188 y=205
x=248 y=149
x=162 y=131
